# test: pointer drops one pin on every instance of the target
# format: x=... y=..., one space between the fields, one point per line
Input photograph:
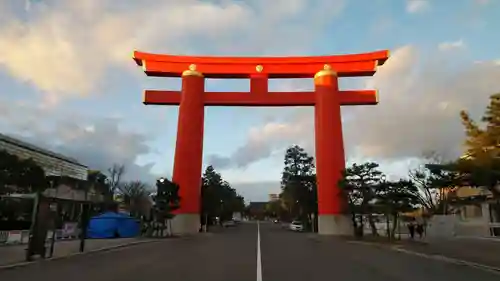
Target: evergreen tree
x=210 y=197
x=360 y=184
x=20 y=175
x=167 y=200
x=482 y=160
x=480 y=166
x=395 y=197
x=298 y=184
x=218 y=198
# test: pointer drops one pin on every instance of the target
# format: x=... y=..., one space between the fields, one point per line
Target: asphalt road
x=481 y=251
x=232 y=255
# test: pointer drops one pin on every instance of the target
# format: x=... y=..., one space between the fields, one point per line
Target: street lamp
x=383 y=178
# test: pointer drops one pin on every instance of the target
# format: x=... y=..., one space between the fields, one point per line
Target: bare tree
x=430 y=195
x=135 y=195
x=115 y=175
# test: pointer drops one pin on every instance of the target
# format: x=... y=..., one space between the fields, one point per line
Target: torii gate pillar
x=330 y=157
x=188 y=155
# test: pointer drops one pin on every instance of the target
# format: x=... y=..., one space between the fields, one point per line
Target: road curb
x=372 y=244
x=489 y=239
x=105 y=249
x=492 y=269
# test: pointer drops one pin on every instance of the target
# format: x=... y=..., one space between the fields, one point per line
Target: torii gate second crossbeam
x=326 y=99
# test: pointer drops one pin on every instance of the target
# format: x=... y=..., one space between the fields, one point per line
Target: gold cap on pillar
x=192 y=71
x=327 y=70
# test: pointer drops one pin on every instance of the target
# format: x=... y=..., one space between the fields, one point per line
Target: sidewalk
x=480 y=251
x=10 y=255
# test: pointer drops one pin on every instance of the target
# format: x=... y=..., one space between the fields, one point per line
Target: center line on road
x=259 y=261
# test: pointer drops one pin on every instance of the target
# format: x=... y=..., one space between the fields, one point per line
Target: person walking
x=411 y=228
x=420 y=228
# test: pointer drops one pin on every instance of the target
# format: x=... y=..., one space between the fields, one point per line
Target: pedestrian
x=420 y=229
x=411 y=228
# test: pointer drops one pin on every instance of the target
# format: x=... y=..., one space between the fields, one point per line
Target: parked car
x=296 y=226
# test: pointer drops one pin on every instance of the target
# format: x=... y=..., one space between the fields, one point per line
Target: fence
x=16 y=237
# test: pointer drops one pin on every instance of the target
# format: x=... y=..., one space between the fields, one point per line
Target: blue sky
x=68 y=81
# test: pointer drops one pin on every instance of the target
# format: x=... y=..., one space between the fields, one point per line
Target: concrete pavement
x=232 y=254
x=16 y=254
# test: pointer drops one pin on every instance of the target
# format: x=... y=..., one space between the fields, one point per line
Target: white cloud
x=97 y=142
x=417 y=6
x=263 y=141
x=65 y=47
x=446 y=46
x=420 y=100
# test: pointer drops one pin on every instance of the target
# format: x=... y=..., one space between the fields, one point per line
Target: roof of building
x=34 y=148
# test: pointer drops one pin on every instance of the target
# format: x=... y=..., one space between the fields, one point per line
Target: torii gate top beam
x=272 y=67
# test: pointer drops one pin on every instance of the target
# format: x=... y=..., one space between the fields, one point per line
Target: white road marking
x=259 y=260
x=488 y=268
x=491 y=269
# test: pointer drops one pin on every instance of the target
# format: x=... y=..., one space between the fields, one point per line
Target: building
x=274 y=197
x=52 y=163
x=475 y=212
x=257 y=209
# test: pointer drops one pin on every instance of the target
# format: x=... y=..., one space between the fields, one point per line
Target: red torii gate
x=326 y=99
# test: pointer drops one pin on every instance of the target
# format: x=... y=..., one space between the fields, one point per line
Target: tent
x=113 y=225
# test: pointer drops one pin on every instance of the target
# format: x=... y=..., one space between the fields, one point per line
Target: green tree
x=482 y=160
x=218 y=198
x=20 y=175
x=360 y=184
x=442 y=178
x=7 y=173
x=210 y=197
x=274 y=209
x=298 y=185
x=227 y=197
x=395 y=197
x=246 y=211
x=480 y=166
x=236 y=203
x=167 y=200
x=99 y=182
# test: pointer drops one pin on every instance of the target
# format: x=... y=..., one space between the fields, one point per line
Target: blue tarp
x=113 y=225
